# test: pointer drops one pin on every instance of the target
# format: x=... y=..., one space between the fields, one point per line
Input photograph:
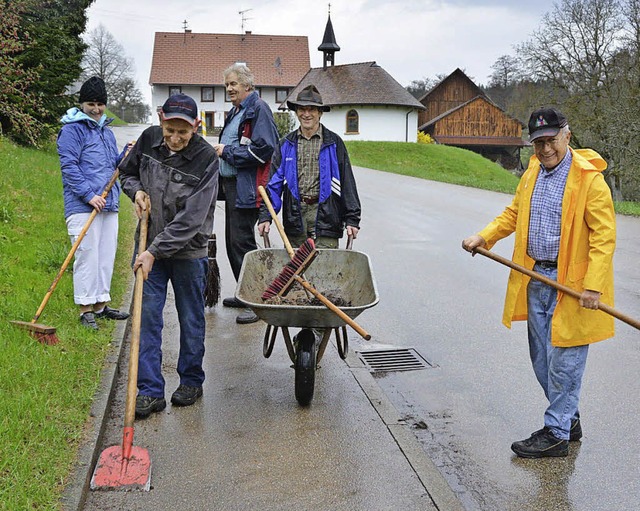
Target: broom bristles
x=212 y=288
x=300 y=261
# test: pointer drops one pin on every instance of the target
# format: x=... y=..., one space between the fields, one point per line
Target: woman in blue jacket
x=88 y=157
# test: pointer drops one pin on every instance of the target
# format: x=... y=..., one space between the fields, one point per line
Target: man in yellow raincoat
x=564 y=223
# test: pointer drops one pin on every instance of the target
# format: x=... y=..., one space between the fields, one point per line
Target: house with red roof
x=193 y=63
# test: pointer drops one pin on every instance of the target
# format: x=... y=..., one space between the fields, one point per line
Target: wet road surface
x=248 y=445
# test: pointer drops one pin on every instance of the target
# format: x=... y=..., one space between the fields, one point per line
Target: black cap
x=180 y=106
x=545 y=122
x=93 y=90
x=309 y=96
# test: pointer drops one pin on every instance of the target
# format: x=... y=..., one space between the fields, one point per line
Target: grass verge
x=45 y=391
x=445 y=164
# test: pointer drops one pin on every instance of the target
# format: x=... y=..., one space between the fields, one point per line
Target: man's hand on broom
x=473 y=242
x=141 y=201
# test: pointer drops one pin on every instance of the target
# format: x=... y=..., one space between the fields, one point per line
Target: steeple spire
x=329 y=45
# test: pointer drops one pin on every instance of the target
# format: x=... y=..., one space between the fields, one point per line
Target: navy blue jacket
x=338 y=203
x=258 y=137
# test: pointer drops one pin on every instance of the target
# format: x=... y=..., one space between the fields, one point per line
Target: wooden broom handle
x=74 y=248
x=334 y=308
x=285 y=240
x=567 y=290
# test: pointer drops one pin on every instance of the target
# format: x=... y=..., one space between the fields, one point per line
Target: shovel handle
x=560 y=287
x=136 y=320
x=74 y=248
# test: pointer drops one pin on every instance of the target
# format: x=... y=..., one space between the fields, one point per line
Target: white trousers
x=94 y=259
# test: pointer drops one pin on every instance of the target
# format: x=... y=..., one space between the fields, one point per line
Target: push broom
x=212 y=289
x=549 y=282
x=291 y=273
x=47 y=334
x=127 y=467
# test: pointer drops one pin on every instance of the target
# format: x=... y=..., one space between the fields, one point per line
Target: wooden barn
x=458 y=113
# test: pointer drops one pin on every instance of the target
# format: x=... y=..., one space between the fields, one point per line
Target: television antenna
x=243 y=18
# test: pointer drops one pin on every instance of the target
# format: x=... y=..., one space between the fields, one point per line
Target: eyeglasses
x=540 y=143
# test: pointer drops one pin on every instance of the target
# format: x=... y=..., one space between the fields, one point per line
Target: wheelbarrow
x=341 y=273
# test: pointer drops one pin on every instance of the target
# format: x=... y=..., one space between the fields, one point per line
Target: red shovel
x=126 y=467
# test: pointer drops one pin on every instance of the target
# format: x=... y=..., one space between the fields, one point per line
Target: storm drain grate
x=396 y=359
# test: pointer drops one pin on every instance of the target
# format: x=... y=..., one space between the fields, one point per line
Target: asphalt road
x=248 y=439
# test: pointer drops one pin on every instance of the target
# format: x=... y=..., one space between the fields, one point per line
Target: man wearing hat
x=177 y=170
x=312 y=180
x=564 y=222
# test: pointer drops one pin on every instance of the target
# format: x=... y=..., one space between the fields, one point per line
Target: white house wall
x=218 y=107
x=376 y=123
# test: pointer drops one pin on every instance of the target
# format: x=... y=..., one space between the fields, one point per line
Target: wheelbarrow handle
x=564 y=289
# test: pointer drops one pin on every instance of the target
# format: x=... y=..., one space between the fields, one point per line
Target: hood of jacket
x=74 y=114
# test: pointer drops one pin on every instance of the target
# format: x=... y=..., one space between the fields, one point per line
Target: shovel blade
x=115 y=472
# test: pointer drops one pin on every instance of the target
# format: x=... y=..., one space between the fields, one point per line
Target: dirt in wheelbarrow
x=297 y=299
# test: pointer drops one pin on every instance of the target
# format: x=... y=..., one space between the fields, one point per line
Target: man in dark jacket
x=311 y=180
x=247 y=142
x=177 y=170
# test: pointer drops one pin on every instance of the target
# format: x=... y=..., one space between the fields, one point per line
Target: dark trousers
x=188 y=277
x=239 y=228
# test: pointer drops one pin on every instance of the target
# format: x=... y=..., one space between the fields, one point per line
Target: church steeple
x=329 y=45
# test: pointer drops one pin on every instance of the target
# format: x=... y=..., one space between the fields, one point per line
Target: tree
x=55 y=28
x=19 y=107
x=106 y=58
x=506 y=72
x=418 y=88
x=127 y=101
x=573 y=51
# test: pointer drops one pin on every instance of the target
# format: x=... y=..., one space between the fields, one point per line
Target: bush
x=425 y=138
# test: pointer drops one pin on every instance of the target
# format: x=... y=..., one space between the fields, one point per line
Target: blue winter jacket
x=88 y=157
x=338 y=203
x=258 y=137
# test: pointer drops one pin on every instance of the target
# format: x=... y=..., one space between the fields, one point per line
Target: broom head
x=42 y=333
x=212 y=288
x=300 y=261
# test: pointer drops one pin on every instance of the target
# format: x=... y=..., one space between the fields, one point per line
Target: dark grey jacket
x=182 y=188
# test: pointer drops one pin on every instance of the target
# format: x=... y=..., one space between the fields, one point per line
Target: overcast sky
x=410 y=39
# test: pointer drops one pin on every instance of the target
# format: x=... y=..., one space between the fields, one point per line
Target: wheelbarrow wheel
x=305 y=366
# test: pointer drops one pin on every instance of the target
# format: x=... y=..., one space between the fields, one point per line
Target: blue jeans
x=188 y=279
x=558 y=370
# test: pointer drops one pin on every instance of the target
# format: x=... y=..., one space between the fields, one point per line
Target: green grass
x=45 y=391
x=445 y=164
x=434 y=162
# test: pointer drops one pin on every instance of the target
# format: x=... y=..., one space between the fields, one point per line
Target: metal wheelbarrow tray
x=343 y=274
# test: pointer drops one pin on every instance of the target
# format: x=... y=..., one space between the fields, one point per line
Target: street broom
x=292 y=271
x=212 y=289
x=47 y=334
x=559 y=287
x=127 y=467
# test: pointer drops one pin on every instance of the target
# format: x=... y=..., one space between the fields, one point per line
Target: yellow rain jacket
x=585 y=259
